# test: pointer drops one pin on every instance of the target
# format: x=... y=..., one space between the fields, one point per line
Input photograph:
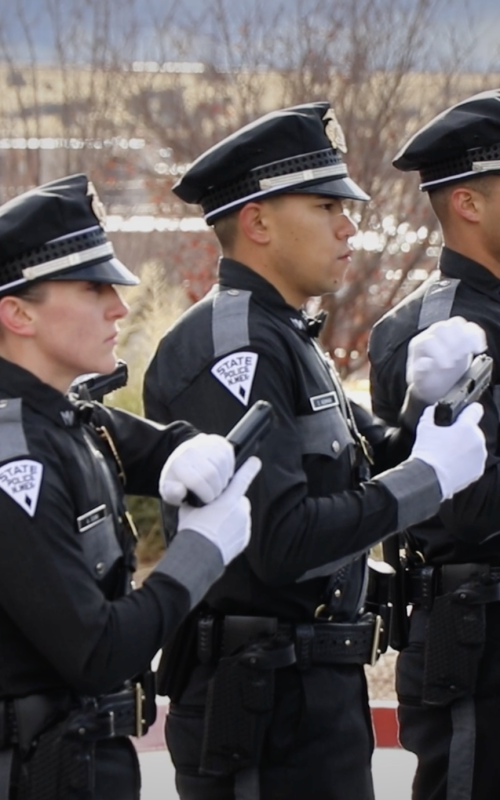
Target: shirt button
x=233 y=292
x=335 y=446
x=99 y=567
x=337 y=593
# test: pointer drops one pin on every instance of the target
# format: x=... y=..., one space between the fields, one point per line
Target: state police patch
x=236 y=372
x=21 y=480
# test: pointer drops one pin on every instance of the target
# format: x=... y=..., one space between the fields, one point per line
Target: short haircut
x=226 y=229
x=439 y=198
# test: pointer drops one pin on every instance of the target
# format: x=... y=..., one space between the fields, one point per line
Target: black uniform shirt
x=67 y=616
x=242 y=343
x=466 y=527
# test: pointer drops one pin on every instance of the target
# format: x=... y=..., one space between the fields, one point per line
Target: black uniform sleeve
x=50 y=594
x=390 y=446
x=293 y=532
x=143 y=446
x=472 y=515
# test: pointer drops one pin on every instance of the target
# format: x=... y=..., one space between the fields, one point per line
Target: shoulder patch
x=236 y=372
x=21 y=480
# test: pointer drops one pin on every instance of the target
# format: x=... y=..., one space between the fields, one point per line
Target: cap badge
x=334 y=131
x=97 y=205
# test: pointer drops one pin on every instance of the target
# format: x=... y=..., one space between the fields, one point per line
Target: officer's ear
x=253 y=223
x=16 y=316
x=467 y=203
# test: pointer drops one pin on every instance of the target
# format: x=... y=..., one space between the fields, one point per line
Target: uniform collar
x=42 y=398
x=455 y=265
x=234 y=275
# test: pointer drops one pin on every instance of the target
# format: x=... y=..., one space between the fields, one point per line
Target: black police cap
x=293 y=150
x=460 y=143
x=55 y=232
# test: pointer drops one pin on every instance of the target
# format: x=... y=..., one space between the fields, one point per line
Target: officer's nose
x=117 y=308
x=348 y=227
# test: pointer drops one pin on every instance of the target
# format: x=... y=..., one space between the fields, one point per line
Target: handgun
x=467 y=389
x=245 y=437
x=96 y=384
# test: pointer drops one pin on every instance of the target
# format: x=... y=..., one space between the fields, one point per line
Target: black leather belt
x=128 y=712
x=121 y=713
x=478 y=583
x=314 y=643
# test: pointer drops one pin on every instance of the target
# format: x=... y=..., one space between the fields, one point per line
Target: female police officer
x=76 y=642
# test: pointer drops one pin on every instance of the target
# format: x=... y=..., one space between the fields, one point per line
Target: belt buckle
x=140 y=698
x=322 y=614
x=377 y=635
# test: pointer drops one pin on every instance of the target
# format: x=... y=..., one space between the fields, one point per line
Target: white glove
x=457 y=453
x=225 y=521
x=440 y=355
x=203 y=465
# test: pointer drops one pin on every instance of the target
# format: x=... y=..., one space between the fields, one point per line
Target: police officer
x=76 y=641
x=272 y=701
x=448 y=676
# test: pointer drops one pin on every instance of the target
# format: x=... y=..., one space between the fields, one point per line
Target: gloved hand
x=457 y=453
x=440 y=355
x=203 y=465
x=225 y=521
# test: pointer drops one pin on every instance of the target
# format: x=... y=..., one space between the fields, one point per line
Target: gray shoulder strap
x=230 y=321
x=12 y=439
x=437 y=302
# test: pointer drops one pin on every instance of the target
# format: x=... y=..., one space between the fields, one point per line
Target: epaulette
x=12 y=439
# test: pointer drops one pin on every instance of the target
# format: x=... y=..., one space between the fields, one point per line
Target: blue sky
x=485 y=13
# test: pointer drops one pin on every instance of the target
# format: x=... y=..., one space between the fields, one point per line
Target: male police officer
x=449 y=688
x=76 y=641
x=281 y=640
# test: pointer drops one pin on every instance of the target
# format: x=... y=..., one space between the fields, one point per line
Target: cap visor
x=111 y=271
x=340 y=187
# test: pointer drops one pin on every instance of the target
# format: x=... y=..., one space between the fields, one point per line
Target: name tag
x=91 y=518
x=321 y=401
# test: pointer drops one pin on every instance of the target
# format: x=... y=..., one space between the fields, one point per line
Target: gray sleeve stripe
x=437 y=302
x=12 y=439
x=230 y=322
x=415 y=486
x=194 y=562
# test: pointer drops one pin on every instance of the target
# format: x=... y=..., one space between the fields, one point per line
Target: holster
x=453 y=648
x=178 y=659
x=380 y=600
x=240 y=702
x=61 y=765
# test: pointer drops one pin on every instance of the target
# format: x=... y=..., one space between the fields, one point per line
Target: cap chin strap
x=296 y=178
x=478 y=167
x=66 y=262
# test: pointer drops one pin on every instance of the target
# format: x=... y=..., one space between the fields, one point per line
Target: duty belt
x=313 y=643
x=475 y=583
x=128 y=712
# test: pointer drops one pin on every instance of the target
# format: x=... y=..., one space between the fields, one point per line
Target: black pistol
x=245 y=437
x=95 y=385
x=467 y=389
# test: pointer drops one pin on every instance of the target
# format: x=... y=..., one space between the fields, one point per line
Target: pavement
x=393 y=768
x=392 y=771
